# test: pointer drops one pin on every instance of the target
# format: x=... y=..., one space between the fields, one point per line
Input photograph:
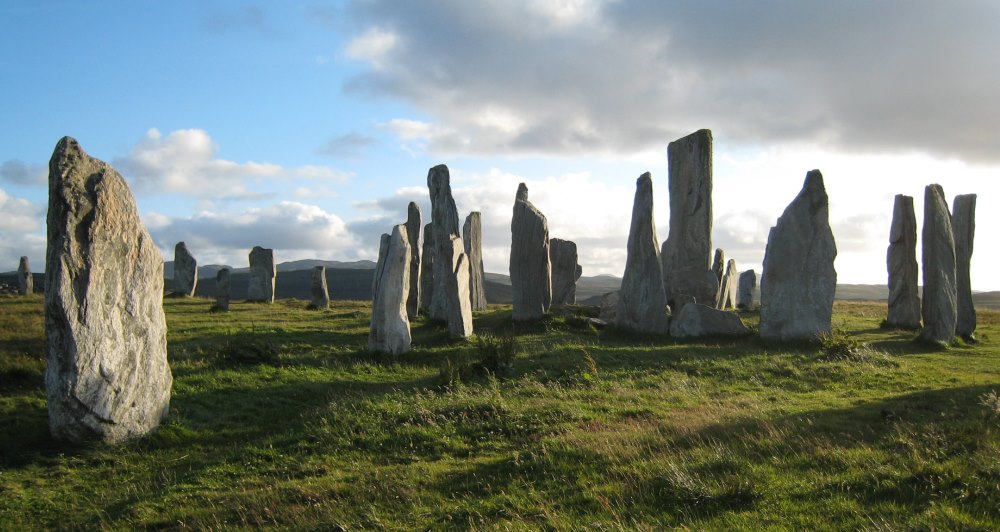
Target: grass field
x=280 y=418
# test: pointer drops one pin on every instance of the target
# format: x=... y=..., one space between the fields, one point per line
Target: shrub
x=496 y=351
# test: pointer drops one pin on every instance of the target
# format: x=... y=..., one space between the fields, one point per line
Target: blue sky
x=308 y=126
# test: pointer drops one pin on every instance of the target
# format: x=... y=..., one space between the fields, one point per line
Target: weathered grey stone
x=448 y=301
x=688 y=248
x=728 y=286
x=744 y=295
x=427 y=269
x=530 y=269
x=642 y=303
x=719 y=265
x=609 y=307
x=320 y=295
x=680 y=301
x=390 y=328
x=940 y=301
x=263 y=272
x=413 y=237
x=107 y=376
x=185 y=271
x=695 y=320
x=799 y=280
x=460 y=308
x=565 y=271
x=472 y=238
x=964 y=227
x=25 y=282
x=901 y=262
x=222 y=289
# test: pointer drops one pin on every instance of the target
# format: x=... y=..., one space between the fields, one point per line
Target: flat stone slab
x=696 y=320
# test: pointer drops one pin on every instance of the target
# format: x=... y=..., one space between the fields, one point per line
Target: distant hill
x=210 y=270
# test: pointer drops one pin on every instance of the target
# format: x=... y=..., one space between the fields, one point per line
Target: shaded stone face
x=185 y=271
x=222 y=289
x=744 y=296
x=695 y=320
x=427 y=269
x=263 y=272
x=642 y=303
x=472 y=238
x=413 y=237
x=107 y=376
x=901 y=263
x=799 y=280
x=728 y=286
x=319 y=294
x=447 y=300
x=964 y=226
x=609 y=307
x=457 y=287
x=940 y=303
x=25 y=283
x=530 y=269
x=565 y=271
x=390 y=328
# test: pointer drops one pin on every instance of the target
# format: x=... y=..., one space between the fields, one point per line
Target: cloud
x=21 y=232
x=347 y=146
x=16 y=172
x=578 y=77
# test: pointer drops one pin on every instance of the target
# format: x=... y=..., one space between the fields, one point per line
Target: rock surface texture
x=940 y=302
x=744 y=293
x=318 y=291
x=609 y=307
x=688 y=248
x=427 y=269
x=565 y=271
x=413 y=237
x=799 y=280
x=901 y=262
x=262 y=275
x=472 y=238
x=460 y=310
x=185 y=271
x=728 y=287
x=530 y=269
x=390 y=328
x=450 y=295
x=963 y=217
x=25 y=282
x=719 y=267
x=222 y=289
x=642 y=303
x=695 y=320
x=107 y=376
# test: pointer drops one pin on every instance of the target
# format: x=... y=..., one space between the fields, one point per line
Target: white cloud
x=22 y=232
x=372 y=46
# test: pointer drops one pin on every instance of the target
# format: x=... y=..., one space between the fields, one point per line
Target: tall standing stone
x=744 y=295
x=642 y=303
x=799 y=280
x=222 y=289
x=390 y=328
x=964 y=225
x=185 y=271
x=940 y=302
x=530 y=269
x=472 y=237
x=565 y=271
x=427 y=269
x=719 y=264
x=728 y=286
x=320 y=294
x=107 y=376
x=413 y=237
x=688 y=248
x=263 y=272
x=25 y=282
x=901 y=262
x=449 y=300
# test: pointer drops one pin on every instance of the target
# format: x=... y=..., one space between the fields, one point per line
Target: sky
x=307 y=127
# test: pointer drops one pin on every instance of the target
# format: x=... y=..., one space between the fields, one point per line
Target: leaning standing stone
x=318 y=289
x=744 y=296
x=427 y=269
x=940 y=302
x=565 y=271
x=222 y=290
x=107 y=376
x=727 y=288
x=413 y=235
x=472 y=237
x=262 y=274
x=390 y=328
x=185 y=271
x=530 y=269
x=25 y=283
x=901 y=261
x=799 y=280
x=964 y=225
x=642 y=304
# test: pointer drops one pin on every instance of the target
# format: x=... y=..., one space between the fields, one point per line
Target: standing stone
x=107 y=376
x=609 y=307
x=719 y=265
x=799 y=280
x=530 y=269
x=688 y=247
x=940 y=302
x=318 y=289
x=222 y=287
x=472 y=237
x=964 y=226
x=390 y=328
x=901 y=261
x=449 y=298
x=642 y=303
x=565 y=271
x=426 y=292
x=262 y=275
x=728 y=286
x=25 y=283
x=185 y=271
x=744 y=295
x=413 y=237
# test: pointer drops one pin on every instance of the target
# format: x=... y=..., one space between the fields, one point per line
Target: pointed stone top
x=413 y=212
x=522 y=193
x=814 y=179
x=181 y=245
x=934 y=190
x=645 y=181
x=438 y=177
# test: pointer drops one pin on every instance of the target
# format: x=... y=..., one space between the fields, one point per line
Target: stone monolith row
x=472 y=238
x=964 y=225
x=413 y=238
x=450 y=295
x=744 y=295
x=107 y=376
x=727 y=287
x=185 y=271
x=901 y=262
x=642 y=303
x=25 y=282
x=427 y=269
x=940 y=302
x=799 y=280
x=530 y=269
x=318 y=291
x=565 y=271
x=390 y=328
x=263 y=272
x=222 y=290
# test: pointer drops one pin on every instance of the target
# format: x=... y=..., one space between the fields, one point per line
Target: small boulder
x=697 y=320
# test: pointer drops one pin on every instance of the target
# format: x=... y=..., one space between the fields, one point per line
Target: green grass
x=280 y=418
